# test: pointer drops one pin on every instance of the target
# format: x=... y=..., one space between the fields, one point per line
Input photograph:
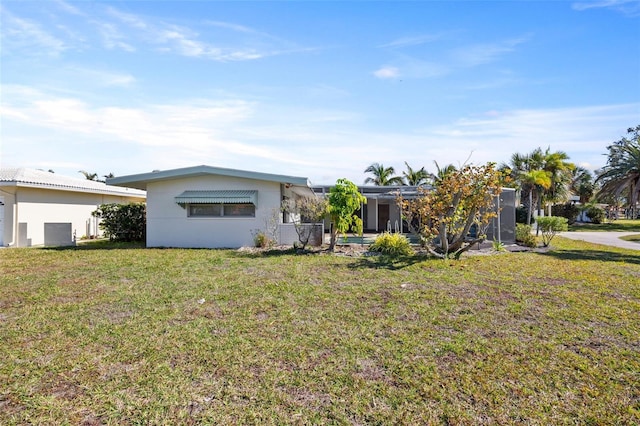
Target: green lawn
x=623 y=225
x=635 y=238
x=101 y=335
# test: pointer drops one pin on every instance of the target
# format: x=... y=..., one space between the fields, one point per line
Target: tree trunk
x=539 y=211
x=334 y=237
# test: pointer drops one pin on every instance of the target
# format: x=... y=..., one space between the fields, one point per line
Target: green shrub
x=392 y=245
x=123 y=222
x=261 y=239
x=524 y=236
x=569 y=210
x=596 y=214
x=549 y=226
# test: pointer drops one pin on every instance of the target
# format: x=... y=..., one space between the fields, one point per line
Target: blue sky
x=317 y=89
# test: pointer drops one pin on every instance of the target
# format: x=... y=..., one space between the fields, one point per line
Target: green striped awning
x=218 y=197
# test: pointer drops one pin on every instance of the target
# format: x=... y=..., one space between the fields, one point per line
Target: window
x=243 y=210
x=222 y=210
x=205 y=210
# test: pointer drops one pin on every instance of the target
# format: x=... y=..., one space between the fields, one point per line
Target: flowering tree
x=443 y=216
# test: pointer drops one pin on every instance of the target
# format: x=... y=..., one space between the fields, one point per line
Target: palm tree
x=521 y=167
x=441 y=173
x=416 y=177
x=622 y=171
x=582 y=184
x=382 y=176
x=89 y=176
x=559 y=171
x=534 y=180
x=551 y=189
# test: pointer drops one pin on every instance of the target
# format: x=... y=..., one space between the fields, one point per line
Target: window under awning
x=218 y=197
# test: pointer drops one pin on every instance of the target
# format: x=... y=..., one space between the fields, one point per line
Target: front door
x=383 y=216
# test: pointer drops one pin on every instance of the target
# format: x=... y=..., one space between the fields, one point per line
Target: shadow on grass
x=387 y=262
x=101 y=245
x=596 y=255
x=269 y=253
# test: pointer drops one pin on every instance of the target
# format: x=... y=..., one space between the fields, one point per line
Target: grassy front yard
x=136 y=336
x=623 y=225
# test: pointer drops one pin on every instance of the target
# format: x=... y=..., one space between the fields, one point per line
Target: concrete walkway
x=604 y=238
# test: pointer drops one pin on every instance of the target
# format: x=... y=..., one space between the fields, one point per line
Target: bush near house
x=123 y=222
x=549 y=226
x=595 y=214
x=524 y=236
x=568 y=210
x=393 y=245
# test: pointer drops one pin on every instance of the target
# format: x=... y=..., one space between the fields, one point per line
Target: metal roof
x=140 y=181
x=218 y=197
x=24 y=177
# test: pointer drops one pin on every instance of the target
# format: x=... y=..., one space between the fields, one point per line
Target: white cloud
x=630 y=8
x=412 y=41
x=479 y=54
x=387 y=72
x=68 y=8
x=28 y=37
x=323 y=144
x=97 y=77
x=127 y=18
x=112 y=37
x=459 y=58
x=185 y=41
x=582 y=132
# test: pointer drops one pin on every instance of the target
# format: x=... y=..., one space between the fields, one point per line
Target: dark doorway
x=383 y=216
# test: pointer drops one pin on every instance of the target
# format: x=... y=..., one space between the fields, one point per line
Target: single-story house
x=44 y=208
x=214 y=207
x=382 y=213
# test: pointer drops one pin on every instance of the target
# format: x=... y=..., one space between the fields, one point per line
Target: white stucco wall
x=168 y=224
x=37 y=206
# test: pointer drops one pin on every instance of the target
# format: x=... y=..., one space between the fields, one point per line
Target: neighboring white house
x=43 y=208
x=212 y=207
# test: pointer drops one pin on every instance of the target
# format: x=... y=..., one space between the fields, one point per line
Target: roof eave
x=140 y=181
x=106 y=191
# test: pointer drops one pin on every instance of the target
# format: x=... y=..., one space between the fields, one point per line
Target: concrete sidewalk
x=604 y=238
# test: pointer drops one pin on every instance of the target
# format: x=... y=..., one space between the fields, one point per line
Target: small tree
x=344 y=201
x=549 y=226
x=305 y=211
x=444 y=216
x=122 y=222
